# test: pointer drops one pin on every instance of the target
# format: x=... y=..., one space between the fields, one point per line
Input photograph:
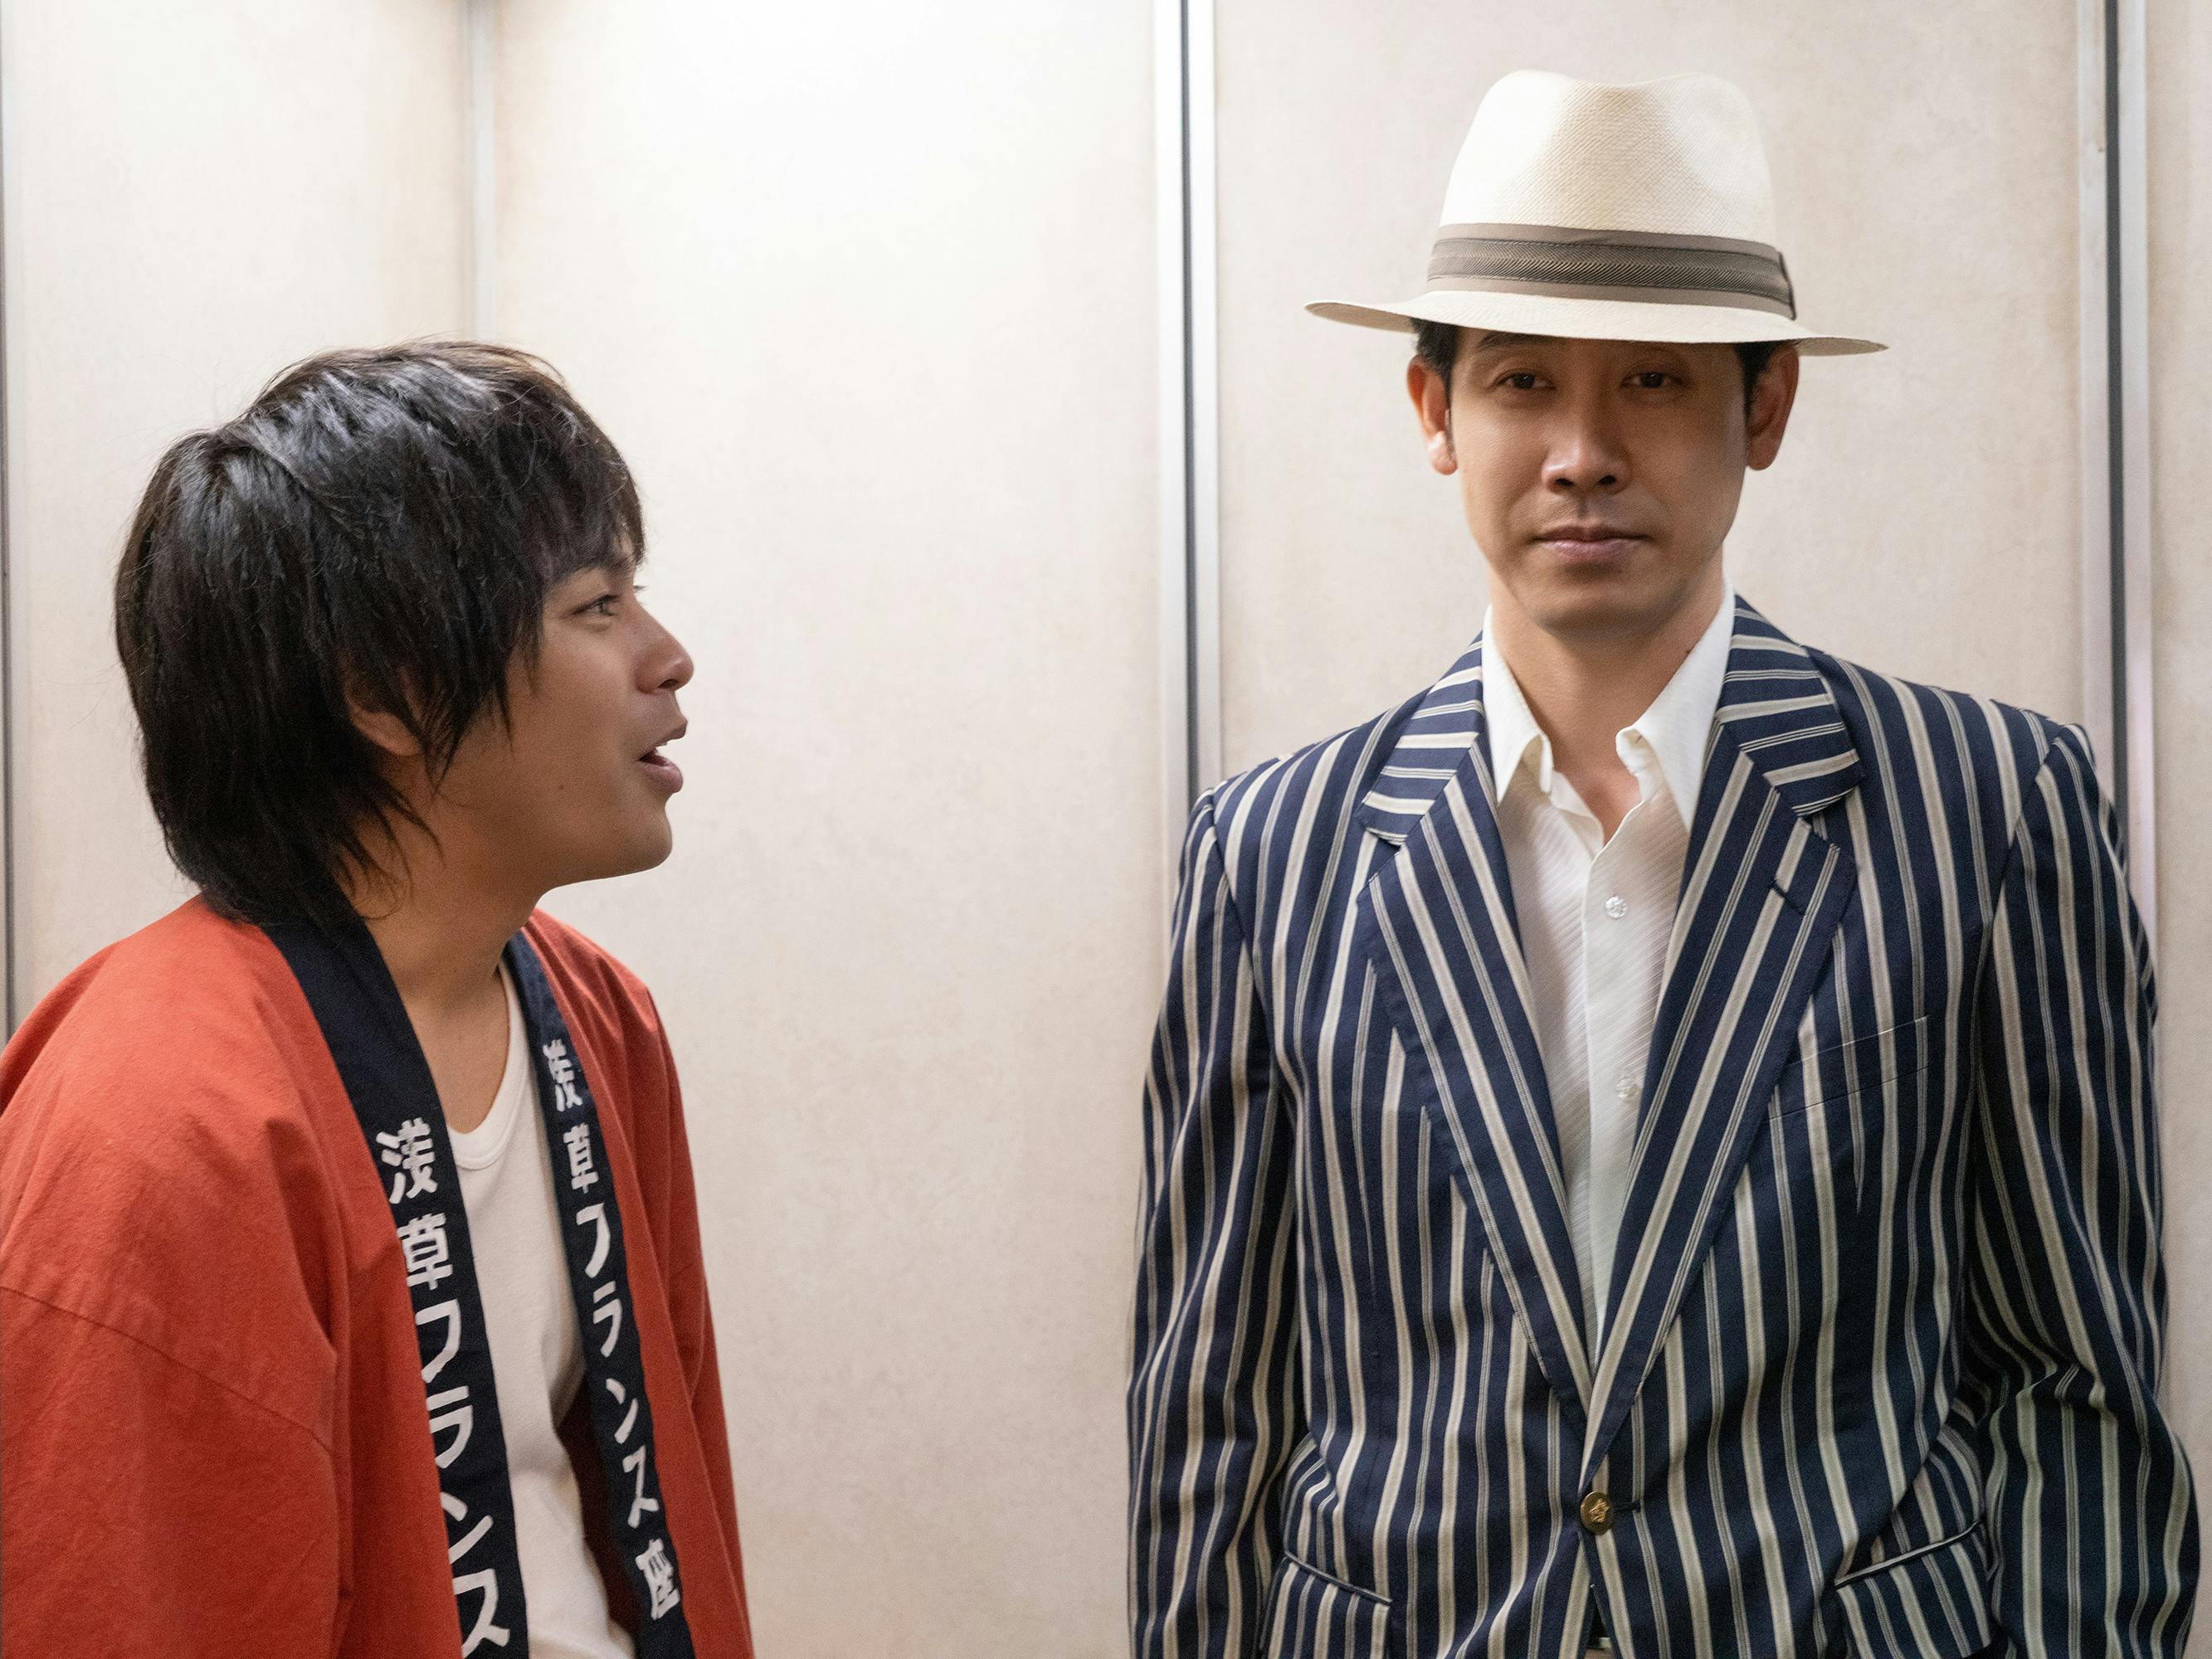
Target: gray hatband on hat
x=1611 y=264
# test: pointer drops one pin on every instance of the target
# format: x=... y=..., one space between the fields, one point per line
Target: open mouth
x=663 y=770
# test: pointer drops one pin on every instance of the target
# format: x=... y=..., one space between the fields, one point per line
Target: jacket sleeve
x=148 y=1507
x=2087 y=1505
x=1212 y=1404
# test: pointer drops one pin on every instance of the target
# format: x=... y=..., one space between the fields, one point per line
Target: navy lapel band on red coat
x=388 y=1081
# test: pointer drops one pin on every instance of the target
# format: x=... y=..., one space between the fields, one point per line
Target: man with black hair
x=351 y=1292
x=1650 y=1144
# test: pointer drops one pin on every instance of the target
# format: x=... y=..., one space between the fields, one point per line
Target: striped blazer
x=1881 y=1377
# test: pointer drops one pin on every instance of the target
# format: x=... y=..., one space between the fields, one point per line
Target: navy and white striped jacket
x=1882 y=1374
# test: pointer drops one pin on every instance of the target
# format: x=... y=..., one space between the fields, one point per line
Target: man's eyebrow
x=621 y=559
x=1498 y=337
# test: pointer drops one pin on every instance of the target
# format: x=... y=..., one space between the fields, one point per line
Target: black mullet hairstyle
x=379 y=528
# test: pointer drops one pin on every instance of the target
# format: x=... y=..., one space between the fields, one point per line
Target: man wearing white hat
x=1650 y=1143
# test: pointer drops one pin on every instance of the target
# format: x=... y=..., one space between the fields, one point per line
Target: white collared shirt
x=1595 y=919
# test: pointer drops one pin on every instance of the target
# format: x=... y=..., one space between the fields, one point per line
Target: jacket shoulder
x=173 y=1155
x=599 y=979
x=177 y=1024
x=1322 y=783
x=1901 y=727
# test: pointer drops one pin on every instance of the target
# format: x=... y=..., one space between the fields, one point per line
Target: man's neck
x=440 y=936
x=441 y=954
x=1584 y=692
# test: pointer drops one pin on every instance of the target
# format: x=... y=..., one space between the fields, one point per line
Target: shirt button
x=1597 y=1513
x=1626 y=1089
x=1616 y=907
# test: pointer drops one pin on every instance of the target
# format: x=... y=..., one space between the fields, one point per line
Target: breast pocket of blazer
x=1871 y=1060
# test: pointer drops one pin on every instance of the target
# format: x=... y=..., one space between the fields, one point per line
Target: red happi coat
x=213 y=1438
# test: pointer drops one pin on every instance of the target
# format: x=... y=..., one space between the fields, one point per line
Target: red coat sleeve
x=146 y=1508
x=168 y=1256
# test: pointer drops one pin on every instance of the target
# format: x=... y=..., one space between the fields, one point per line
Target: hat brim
x=1595 y=319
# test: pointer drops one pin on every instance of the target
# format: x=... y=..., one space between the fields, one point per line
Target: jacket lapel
x=1437 y=923
x=1762 y=893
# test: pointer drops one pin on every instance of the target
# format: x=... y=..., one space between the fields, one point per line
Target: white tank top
x=537 y=1357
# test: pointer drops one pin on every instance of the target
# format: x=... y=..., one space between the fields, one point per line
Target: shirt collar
x=1676 y=725
x=1513 y=728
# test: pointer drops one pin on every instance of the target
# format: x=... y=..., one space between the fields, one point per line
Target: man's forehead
x=1499 y=339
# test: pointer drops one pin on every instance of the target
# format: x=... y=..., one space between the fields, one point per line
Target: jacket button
x=1597 y=1513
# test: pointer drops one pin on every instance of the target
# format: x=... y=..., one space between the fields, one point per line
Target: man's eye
x=1652 y=380
x=604 y=606
x=1523 y=381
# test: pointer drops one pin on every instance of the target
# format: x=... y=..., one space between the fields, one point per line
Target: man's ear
x=1771 y=399
x=1432 y=404
x=382 y=727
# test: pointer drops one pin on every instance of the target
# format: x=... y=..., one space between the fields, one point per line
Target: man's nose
x=667 y=665
x=1586 y=454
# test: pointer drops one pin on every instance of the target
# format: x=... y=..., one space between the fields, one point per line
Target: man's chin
x=1596 y=604
x=1584 y=610
x=651 y=852
x=641 y=850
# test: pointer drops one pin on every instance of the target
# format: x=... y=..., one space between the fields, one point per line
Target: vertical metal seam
x=1172 y=585
x=2117 y=556
x=479 y=23
x=8 y=918
x=1201 y=368
x=2092 y=409
x=1189 y=403
x=6 y=620
x=1190 y=706
x=2115 y=417
x=2134 y=644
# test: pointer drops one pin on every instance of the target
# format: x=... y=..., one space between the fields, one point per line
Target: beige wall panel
x=2180 y=187
x=866 y=294
x=1924 y=515
x=196 y=196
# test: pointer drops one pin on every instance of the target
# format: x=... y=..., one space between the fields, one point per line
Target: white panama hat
x=1601 y=212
